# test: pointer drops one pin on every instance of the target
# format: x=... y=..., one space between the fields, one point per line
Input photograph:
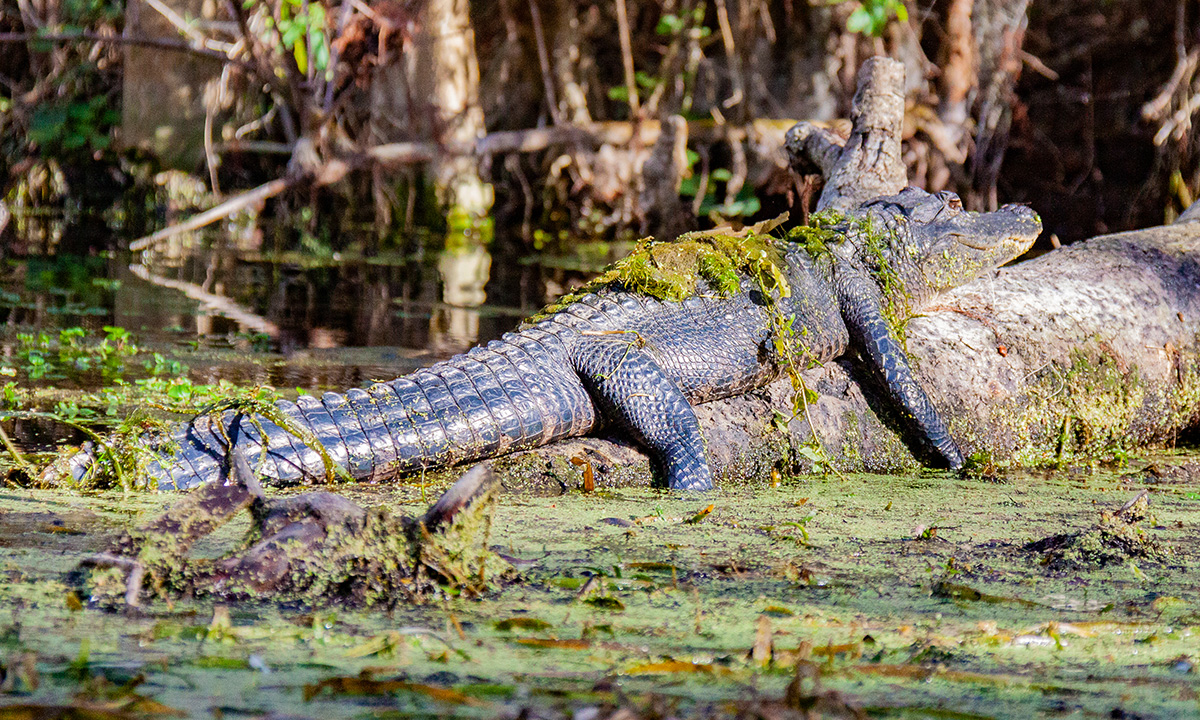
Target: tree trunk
x=430 y=92
x=163 y=93
x=455 y=96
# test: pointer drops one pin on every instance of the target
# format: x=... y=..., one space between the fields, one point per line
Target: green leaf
x=320 y=51
x=645 y=80
x=47 y=124
x=293 y=32
x=858 y=21
x=620 y=93
x=79 y=111
x=811 y=453
x=668 y=25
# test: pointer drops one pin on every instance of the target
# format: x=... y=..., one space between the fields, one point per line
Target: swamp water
x=902 y=596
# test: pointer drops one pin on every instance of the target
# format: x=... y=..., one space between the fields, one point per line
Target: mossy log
x=1085 y=354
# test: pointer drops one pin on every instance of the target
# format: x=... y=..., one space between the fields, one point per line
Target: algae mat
x=907 y=597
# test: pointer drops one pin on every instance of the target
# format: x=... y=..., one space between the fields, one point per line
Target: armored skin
x=620 y=357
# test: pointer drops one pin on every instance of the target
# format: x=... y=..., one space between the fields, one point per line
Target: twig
x=544 y=62
x=257 y=64
x=503 y=142
x=160 y=43
x=17 y=457
x=627 y=58
x=739 y=88
x=210 y=153
x=1184 y=70
x=214 y=303
x=224 y=210
x=261 y=147
x=133 y=583
x=1125 y=508
x=335 y=54
x=178 y=22
x=1035 y=63
x=406 y=153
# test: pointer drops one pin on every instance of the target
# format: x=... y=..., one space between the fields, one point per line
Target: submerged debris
x=316 y=547
x=1116 y=538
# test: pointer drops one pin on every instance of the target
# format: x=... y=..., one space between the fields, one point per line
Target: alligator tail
x=515 y=393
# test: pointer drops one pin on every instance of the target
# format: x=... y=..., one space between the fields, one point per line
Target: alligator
x=710 y=315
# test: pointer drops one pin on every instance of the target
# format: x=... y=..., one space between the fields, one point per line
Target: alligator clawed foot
x=311 y=546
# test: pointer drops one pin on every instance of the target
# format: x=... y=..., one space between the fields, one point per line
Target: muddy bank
x=907 y=596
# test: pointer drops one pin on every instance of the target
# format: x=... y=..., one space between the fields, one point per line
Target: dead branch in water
x=220 y=212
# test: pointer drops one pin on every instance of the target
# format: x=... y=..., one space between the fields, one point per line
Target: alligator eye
x=951 y=200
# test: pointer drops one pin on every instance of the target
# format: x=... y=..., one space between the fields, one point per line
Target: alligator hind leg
x=631 y=389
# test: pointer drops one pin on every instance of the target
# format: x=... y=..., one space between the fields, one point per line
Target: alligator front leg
x=632 y=390
x=862 y=309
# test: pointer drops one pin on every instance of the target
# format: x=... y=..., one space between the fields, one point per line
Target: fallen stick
x=220 y=212
x=151 y=42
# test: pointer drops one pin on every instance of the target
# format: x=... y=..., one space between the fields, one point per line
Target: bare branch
x=154 y=42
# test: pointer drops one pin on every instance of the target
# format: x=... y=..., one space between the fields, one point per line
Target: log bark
x=870 y=163
x=1085 y=354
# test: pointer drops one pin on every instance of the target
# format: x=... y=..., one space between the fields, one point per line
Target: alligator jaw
x=1010 y=231
x=963 y=246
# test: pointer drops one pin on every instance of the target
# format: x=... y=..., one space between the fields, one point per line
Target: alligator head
x=926 y=243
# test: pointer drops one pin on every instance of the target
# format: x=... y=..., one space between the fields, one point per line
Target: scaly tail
x=517 y=392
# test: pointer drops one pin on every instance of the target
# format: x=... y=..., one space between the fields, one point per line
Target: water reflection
x=210 y=304
x=464 y=273
x=330 y=320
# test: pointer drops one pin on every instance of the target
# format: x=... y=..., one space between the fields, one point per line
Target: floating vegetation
x=714 y=619
x=1117 y=537
x=315 y=547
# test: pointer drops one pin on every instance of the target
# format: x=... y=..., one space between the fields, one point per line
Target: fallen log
x=1085 y=354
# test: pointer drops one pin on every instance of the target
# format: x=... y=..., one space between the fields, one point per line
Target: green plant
x=79 y=125
x=302 y=30
x=744 y=204
x=160 y=365
x=11 y=401
x=873 y=16
x=45 y=356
